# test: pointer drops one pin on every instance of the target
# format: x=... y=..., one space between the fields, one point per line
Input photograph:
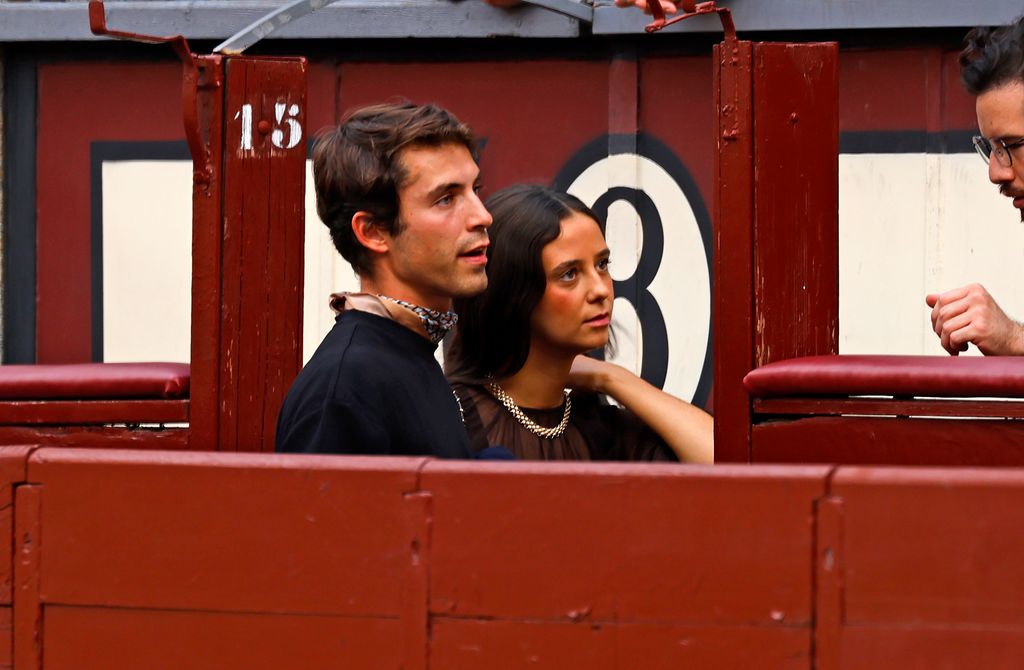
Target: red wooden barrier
x=128 y=559
x=776 y=218
x=163 y=560
x=621 y=566
x=925 y=569
x=247 y=253
x=195 y=560
x=12 y=472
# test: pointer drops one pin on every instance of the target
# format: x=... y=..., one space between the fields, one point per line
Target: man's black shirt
x=372 y=387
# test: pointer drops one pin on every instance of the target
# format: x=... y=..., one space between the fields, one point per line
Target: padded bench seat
x=898 y=376
x=892 y=410
x=94 y=394
x=95 y=381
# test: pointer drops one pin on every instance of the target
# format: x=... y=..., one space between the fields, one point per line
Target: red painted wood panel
x=796 y=219
x=261 y=272
x=889 y=441
x=953 y=546
x=811 y=407
x=6 y=637
x=920 y=648
x=534 y=113
x=928 y=81
x=623 y=543
x=96 y=436
x=132 y=559
x=828 y=584
x=207 y=262
x=931 y=567
x=259 y=533
x=82 y=102
x=776 y=292
x=677 y=108
x=27 y=546
x=12 y=473
x=69 y=412
x=497 y=645
x=86 y=637
x=322 y=101
x=733 y=277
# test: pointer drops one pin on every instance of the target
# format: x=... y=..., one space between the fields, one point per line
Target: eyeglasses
x=998 y=148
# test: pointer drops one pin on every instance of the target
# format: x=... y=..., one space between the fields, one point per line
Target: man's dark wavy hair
x=357 y=167
x=992 y=57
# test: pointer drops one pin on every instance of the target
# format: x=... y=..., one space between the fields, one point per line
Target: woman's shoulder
x=468 y=391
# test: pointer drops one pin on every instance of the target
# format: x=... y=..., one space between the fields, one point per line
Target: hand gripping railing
x=691 y=8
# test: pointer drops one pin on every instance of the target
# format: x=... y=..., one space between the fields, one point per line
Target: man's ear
x=369 y=234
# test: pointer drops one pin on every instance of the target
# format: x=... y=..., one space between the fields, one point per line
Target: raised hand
x=969 y=315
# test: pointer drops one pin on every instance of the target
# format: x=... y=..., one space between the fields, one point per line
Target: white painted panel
x=326 y=272
x=911 y=224
x=147 y=260
x=147 y=263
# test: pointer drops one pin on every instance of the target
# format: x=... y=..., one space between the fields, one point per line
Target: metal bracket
x=691 y=8
x=201 y=161
x=570 y=8
x=279 y=18
x=268 y=24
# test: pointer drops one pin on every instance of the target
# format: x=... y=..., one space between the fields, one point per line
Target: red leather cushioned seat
x=921 y=376
x=94 y=381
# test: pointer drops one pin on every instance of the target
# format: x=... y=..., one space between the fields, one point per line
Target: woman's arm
x=688 y=430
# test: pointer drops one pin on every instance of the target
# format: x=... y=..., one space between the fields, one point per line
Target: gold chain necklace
x=528 y=423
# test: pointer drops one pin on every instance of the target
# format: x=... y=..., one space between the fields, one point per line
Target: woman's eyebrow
x=565 y=265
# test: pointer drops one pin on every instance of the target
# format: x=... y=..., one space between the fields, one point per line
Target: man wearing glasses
x=991 y=69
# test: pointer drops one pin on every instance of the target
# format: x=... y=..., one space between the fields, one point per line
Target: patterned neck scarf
x=437 y=324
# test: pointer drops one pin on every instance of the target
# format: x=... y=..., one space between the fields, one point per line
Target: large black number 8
x=636 y=288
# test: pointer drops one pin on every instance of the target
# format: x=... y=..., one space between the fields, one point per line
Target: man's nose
x=479 y=217
x=999 y=173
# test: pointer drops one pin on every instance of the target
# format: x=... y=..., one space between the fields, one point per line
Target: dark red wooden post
x=247 y=250
x=796 y=217
x=207 y=208
x=733 y=252
x=776 y=218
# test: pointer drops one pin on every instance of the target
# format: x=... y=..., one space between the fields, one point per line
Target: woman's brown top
x=597 y=431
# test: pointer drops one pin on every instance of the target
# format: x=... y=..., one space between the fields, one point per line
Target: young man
x=992 y=69
x=397 y=187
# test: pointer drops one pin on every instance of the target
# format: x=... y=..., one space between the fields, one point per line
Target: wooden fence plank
x=27 y=610
x=889 y=441
x=624 y=543
x=931 y=562
x=87 y=637
x=255 y=533
x=497 y=645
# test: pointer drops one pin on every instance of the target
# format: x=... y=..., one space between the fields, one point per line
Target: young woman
x=517 y=347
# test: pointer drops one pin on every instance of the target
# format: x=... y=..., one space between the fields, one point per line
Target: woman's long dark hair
x=492 y=338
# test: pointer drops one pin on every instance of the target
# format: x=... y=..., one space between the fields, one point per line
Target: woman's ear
x=369 y=234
